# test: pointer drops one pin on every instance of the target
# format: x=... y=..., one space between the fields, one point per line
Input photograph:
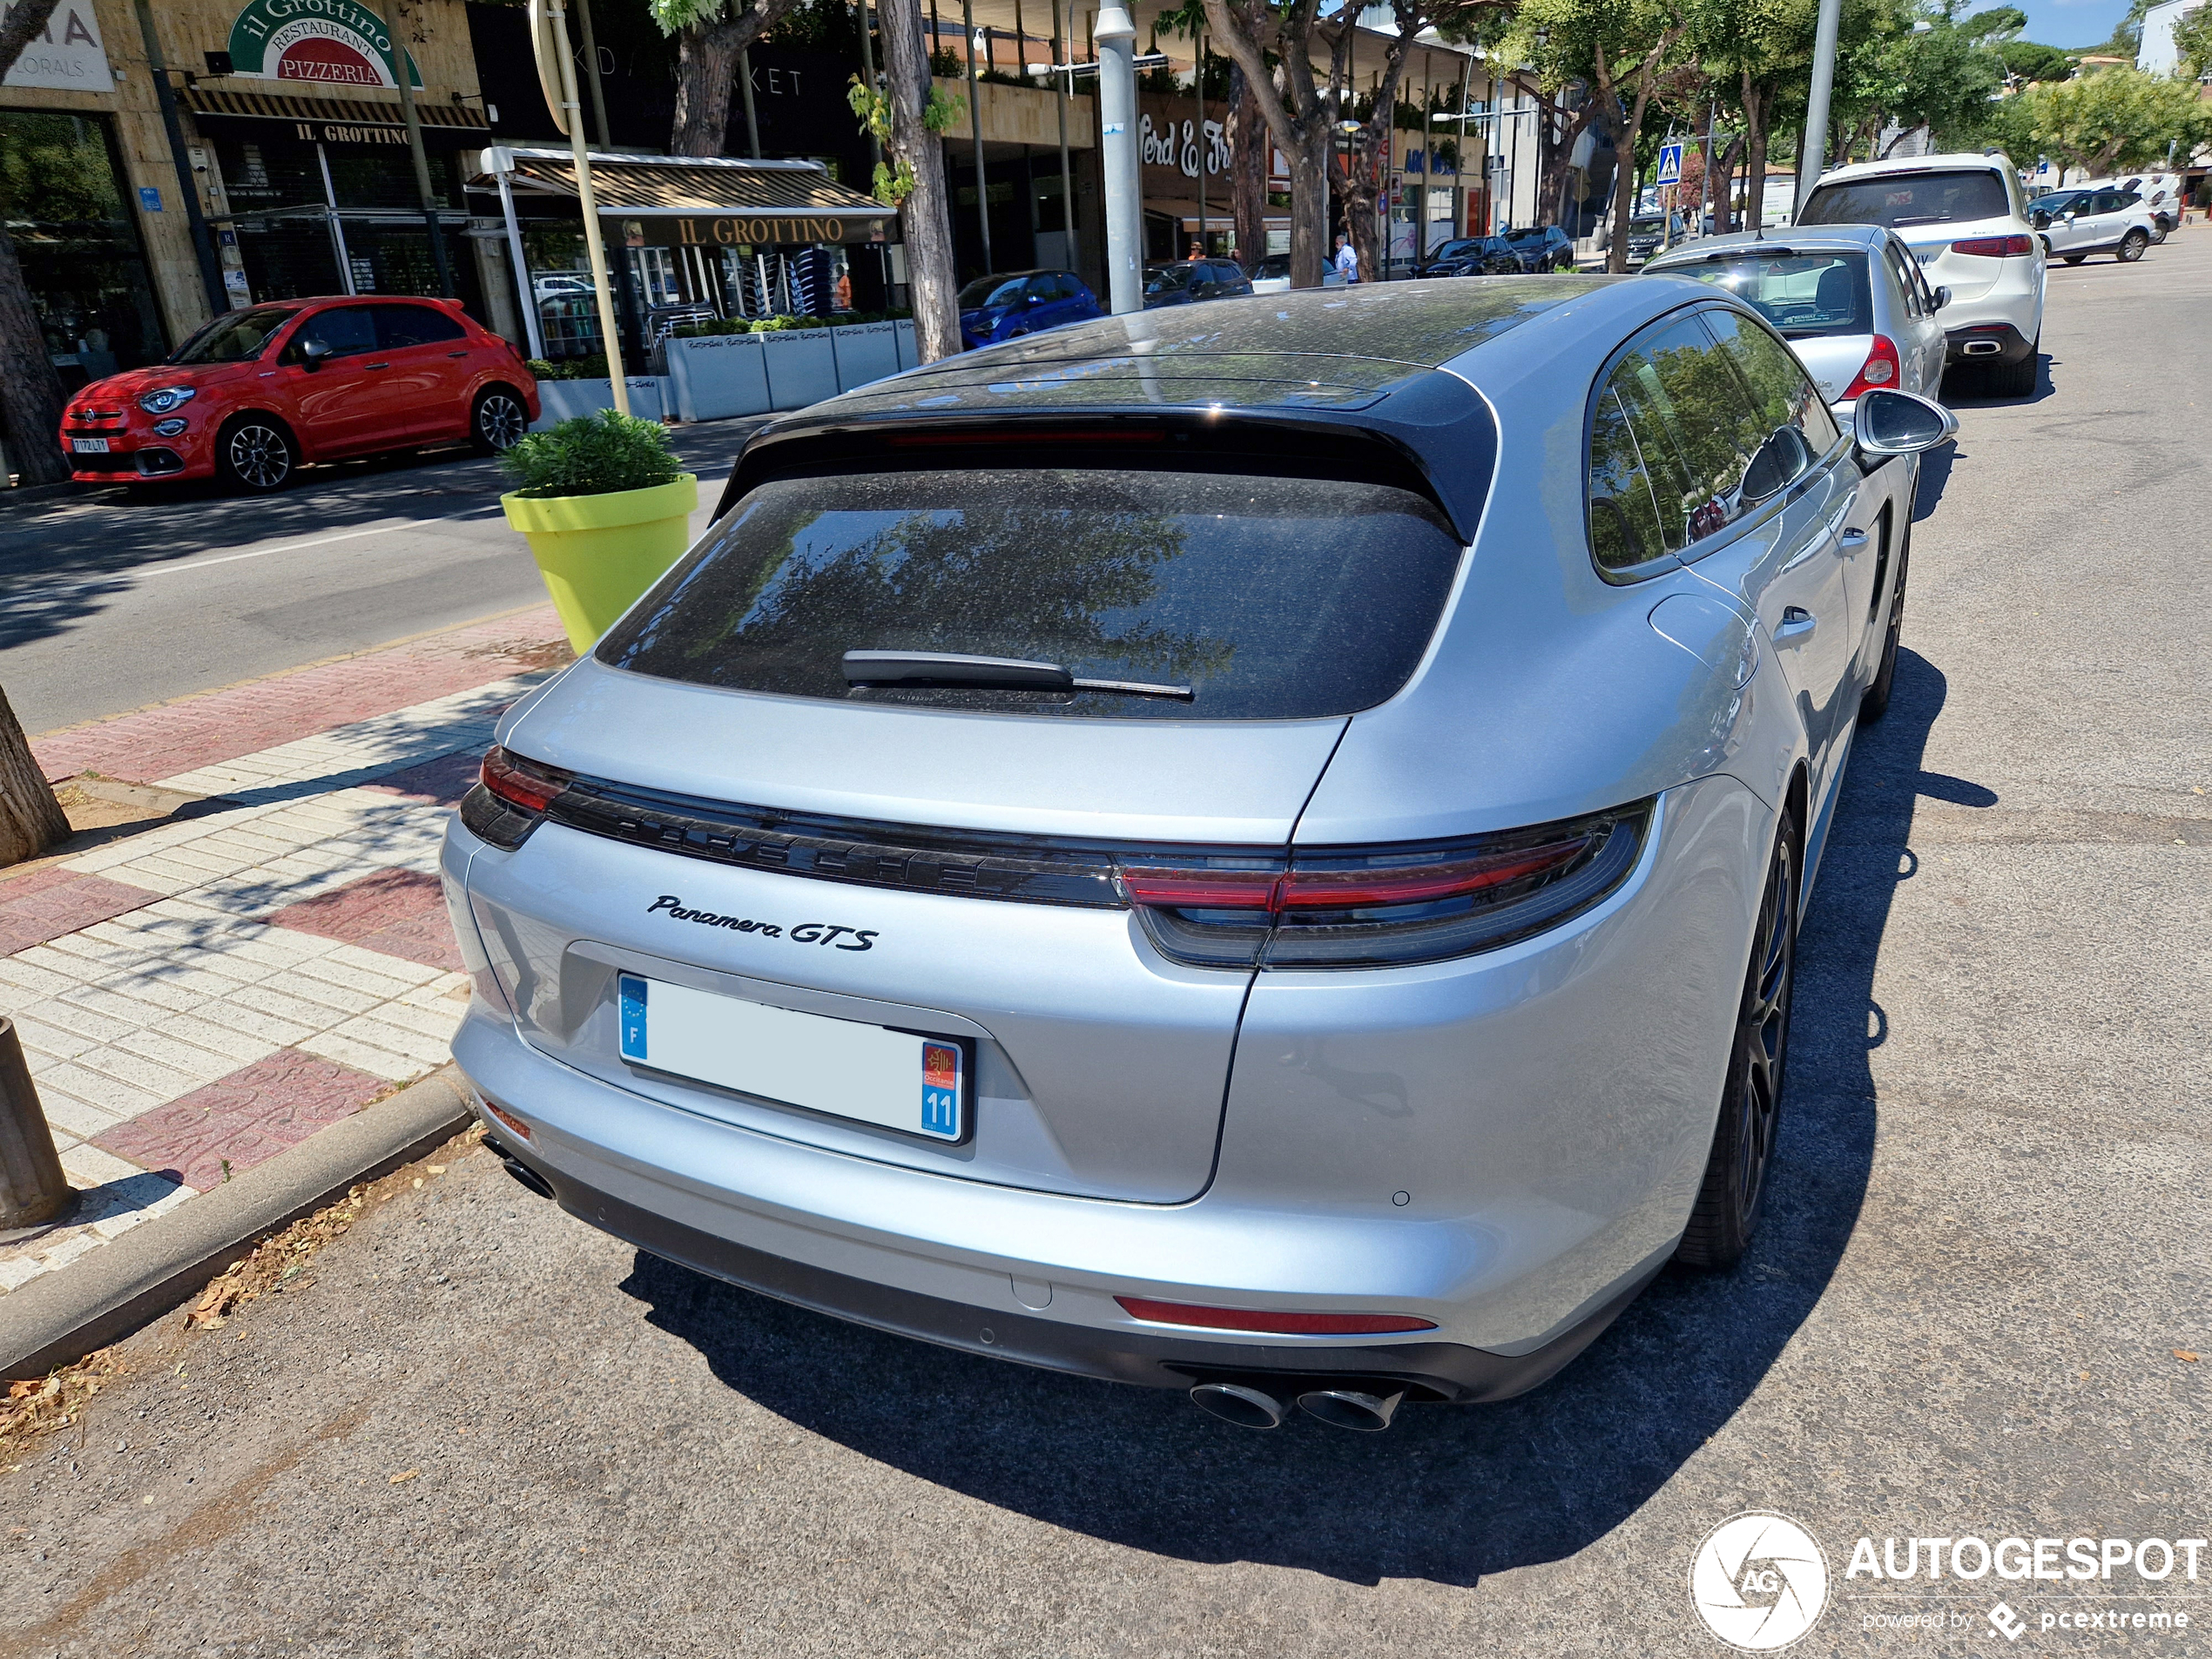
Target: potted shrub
x=577 y=385
x=607 y=506
x=867 y=350
x=715 y=370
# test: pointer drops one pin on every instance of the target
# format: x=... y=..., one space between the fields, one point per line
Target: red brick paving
x=444 y=780
x=195 y=732
x=244 y=1118
x=398 y=912
x=51 y=902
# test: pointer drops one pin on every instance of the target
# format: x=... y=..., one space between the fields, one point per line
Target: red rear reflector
x=1880 y=368
x=519 y=782
x=1017 y=435
x=1273 y=1324
x=1994 y=247
x=508 y=1118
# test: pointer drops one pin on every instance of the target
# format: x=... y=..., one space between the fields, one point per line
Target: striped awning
x=688 y=186
x=340 y=111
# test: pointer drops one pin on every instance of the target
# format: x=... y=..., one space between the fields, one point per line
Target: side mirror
x=1942 y=298
x=312 y=352
x=1886 y=423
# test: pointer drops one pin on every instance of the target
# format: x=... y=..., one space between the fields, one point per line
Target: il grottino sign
x=328 y=42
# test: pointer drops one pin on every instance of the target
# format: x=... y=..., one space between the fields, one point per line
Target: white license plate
x=907 y=1081
x=89 y=446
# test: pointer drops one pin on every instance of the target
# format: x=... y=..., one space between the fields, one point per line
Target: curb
x=59 y=1318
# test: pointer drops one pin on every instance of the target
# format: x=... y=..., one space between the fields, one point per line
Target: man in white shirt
x=1347 y=259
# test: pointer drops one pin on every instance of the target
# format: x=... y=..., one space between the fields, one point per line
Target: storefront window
x=61 y=190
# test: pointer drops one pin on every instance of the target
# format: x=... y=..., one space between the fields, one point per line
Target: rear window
x=1902 y=200
x=1269 y=597
x=1801 y=295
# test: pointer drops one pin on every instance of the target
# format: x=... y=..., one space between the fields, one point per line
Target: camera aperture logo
x=1759 y=1581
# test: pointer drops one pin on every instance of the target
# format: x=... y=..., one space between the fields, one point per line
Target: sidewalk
x=196 y=998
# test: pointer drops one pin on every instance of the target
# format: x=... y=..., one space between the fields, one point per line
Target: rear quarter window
x=1271 y=597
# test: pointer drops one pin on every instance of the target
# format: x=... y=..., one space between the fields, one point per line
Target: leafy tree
x=2121 y=118
x=909 y=116
x=2026 y=62
x=710 y=35
x=2193 y=40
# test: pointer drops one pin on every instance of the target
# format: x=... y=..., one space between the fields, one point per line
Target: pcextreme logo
x=1759 y=1581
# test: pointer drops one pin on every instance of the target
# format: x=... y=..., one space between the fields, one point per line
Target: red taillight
x=1880 y=368
x=521 y=783
x=1271 y=1323
x=1422 y=884
x=1202 y=889
x=1994 y=247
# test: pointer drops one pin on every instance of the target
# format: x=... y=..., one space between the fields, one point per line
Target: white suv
x=1965 y=220
x=2100 y=219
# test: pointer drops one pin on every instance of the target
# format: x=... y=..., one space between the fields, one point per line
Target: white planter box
x=908 y=355
x=866 y=352
x=802 y=366
x=713 y=377
x=560 y=401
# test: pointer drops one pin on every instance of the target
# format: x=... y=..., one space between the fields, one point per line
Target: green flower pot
x=597 y=553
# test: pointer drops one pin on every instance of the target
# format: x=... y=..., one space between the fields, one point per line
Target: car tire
x=2157 y=232
x=2017 y=380
x=1734 y=1190
x=2132 y=245
x=1876 y=702
x=497 y=419
x=255 y=454
x=2076 y=259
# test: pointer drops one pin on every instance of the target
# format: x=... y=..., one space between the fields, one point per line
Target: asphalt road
x=116 y=599
x=483 y=1429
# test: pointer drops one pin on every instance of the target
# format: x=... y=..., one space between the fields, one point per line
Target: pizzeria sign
x=329 y=43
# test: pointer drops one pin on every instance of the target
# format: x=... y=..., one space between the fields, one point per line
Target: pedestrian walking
x=1347 y=259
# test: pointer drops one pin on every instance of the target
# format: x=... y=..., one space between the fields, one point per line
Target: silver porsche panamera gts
x=1255 y=850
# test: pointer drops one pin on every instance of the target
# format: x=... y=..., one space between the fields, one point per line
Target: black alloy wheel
x=254 y=454
x=1727 y=1211
x=2132 y=245
x=497 y=422
x=1876 y=702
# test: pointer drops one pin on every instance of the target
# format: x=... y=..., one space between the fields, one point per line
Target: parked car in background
x=1474 y=256
x=1185 y=281
x=1272 y=275
x=2075 y=224
x=1648 y=232
x=993 y=308
x=1965 y=219
x=1850 y=299
x=255 y=394
x=1542 y=248
x=1171 y=983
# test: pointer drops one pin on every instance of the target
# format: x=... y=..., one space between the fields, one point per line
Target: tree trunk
x=1310 y=208
x=1755 y=100
x=31 y=819
x=31 y=393
x=706 y=70
x=1718 y=190
x=924 y=218
x=1300 y=114
x=1248 y=160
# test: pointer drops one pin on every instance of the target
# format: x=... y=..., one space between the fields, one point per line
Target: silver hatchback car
x=1254 y=848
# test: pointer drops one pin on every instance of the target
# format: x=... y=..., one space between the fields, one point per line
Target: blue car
x=993 y=308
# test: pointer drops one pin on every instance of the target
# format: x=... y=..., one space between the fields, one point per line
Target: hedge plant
x=593 y=454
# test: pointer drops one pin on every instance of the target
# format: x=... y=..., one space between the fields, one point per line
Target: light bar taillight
x=1994 y=247
x=1879 y=369
x=1271 y=1322
x=510 y=797
x=1345 y=907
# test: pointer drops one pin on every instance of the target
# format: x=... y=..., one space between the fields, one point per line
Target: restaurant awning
x=337 y=120
x=700 y=200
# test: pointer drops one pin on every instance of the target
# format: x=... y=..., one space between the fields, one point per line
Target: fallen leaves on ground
x=2185 y=1353
x=36 y=1404
x=405 y=1474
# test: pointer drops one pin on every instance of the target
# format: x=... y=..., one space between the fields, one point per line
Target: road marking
x=320 y=541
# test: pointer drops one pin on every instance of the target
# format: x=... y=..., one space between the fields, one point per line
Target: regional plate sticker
x=940 y=1087
x=633 y=1016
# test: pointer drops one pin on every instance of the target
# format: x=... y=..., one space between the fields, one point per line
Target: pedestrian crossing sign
x=1670 y=165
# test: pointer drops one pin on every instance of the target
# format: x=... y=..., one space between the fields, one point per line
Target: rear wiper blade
x=951 y=670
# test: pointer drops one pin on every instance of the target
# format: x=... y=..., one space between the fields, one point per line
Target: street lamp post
x=1823 y=82
x=1117 y=38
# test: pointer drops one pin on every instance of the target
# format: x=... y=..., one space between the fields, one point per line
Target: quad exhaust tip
x=1365 y=1407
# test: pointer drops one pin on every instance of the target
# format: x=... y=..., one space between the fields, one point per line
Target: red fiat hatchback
x=256 y=393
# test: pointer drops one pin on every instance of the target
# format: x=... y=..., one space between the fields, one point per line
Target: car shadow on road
x=1450 y=1495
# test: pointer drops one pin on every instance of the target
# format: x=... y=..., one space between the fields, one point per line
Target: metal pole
x=1429 y=157
x=751 y=120
x=338 y=231
x=1116 y=38
x=211 y=268
x=1823 y=82
x=976 y=125
x=422 y=157
x=1198 y=85
x=1459 y=226
x=1063 y=52
x=591 y=73
x=588 y=200
x=33 y=1189
x=526 y=294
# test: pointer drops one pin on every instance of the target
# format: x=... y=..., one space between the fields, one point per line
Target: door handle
x=1854 y=540
x=377 y=366
x=457 y=353
x=1796 y=623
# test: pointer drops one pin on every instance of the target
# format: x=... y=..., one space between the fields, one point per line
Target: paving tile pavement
x=216 y=989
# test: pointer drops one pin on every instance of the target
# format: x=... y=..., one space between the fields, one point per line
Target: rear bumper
x=1973 y=344
x=1449 y=1372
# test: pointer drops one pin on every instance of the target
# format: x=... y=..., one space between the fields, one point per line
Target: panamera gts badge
x=805 y=932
